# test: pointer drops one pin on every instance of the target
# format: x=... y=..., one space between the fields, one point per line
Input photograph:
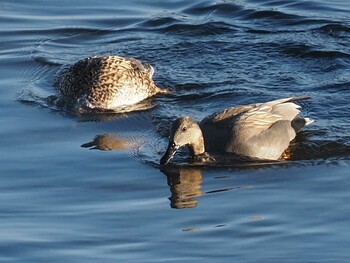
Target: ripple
x=334 y=29
x=186 y=27
x=205 y=29
x=269 y=14
x=206 y=8
x=161 y=22
x=306 y=51
x=321 y=150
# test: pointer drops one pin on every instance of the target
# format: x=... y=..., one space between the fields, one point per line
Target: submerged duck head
x=184 y=132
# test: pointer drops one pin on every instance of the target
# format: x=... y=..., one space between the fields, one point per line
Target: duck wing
x=250 y=109
x=260 y=130
x=263 y=115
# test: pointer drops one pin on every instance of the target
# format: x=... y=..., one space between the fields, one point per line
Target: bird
x=107 y=83
x=260 y=131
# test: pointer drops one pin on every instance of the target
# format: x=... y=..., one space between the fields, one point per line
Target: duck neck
x=197 y=148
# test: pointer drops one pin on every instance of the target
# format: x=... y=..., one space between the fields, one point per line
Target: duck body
x=262 y=130
x=107 y=82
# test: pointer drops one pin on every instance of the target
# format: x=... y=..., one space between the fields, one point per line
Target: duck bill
x=170 y=152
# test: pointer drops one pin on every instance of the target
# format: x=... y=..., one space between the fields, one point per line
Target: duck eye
x=184 y=128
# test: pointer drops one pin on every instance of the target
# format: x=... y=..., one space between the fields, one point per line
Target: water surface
x=89 y=189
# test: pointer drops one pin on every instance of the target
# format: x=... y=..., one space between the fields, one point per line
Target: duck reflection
x=185 y=185
x=108 y=142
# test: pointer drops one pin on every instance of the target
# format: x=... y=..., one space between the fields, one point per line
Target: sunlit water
x=88 y=188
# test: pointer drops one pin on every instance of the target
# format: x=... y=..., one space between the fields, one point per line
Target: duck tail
x=292 y=99
x=308 y=121
x=163 y=91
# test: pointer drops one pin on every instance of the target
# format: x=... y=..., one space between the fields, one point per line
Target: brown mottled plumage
x=108 y=82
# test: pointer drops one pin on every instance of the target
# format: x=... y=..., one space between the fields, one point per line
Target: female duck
x=262 y=130
x=107 y=82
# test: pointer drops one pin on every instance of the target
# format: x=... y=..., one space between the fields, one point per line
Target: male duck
x=107 y=82
x=262 y=130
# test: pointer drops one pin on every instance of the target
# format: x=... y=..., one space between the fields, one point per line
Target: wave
x=321 y=150
x=269 y=14
x=219 y=9
x=334 y=29
x=306 y=51
x=170 y=25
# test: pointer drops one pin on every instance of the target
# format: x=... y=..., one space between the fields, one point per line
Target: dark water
x=88 y=188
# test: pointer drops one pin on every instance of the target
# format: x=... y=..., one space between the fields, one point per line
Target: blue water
x=89 y=188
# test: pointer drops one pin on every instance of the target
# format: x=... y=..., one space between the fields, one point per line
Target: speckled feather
x=107 y=82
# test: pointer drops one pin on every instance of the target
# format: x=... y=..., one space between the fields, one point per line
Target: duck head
x=184 y=132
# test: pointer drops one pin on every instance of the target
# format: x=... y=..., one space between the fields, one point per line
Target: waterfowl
x=262 y=131
x=107 y=82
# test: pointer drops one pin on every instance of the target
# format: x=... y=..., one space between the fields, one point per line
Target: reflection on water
x=108 y=142
x=185 y=185
x=66 y=203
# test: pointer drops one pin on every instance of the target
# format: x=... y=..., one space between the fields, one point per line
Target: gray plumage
x=262 y=130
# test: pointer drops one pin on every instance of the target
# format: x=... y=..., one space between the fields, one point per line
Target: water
x=89 y=188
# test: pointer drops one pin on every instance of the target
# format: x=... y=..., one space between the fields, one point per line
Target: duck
x=259 y=131
x=107 y=82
